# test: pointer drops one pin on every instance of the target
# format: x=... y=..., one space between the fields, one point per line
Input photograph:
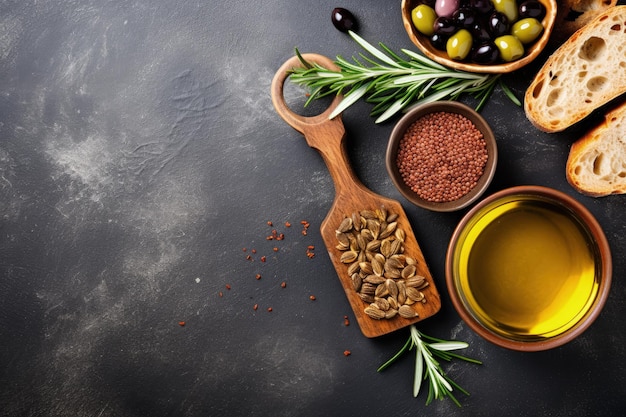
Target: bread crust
x=574 y=14
x=596 y=165
x=586 y=72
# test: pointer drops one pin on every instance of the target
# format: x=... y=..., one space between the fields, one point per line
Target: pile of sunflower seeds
x=382 y=275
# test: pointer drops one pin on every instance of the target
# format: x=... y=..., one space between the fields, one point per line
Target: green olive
x=527 y=30
x=510 y=48
x=506 y=7
x=459 y=44
x=423 y=17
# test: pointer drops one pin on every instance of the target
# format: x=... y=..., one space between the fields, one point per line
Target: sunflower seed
x=407 y=312
x=414 y=294
x=349 y=257
x=374 y=312
x=374 y=279
x=366 y=298
x=382 y=303
x=388 y=230
x=392 y=287
x=414 y=281
x=408 y=271
x=391 y=313
x=345 y=225
x=368 y=214
x=356 y=282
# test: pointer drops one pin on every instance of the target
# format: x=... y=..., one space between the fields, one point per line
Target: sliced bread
x=574 y=14
x=586 y=72
x=596 y=165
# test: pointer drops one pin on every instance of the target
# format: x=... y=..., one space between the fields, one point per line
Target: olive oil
x=527 y=269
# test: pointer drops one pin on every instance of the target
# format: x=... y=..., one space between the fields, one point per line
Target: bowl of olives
x=483 y=36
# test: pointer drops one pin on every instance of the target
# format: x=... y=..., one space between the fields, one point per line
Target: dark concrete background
x=139 y=155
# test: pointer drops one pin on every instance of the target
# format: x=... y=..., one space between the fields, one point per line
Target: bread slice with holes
x=596 y=165
x=586 y=72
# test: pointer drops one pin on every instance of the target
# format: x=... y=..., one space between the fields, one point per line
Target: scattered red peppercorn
x=269 y=223
x=228 y=286
x=263 y=258
x=287 y=224
x=346 y=321
x=256 y=306
x=283 y=284
x=258 y=276
x=347 y=353
x=312 y=297
x=181 y=323
x=269 y=309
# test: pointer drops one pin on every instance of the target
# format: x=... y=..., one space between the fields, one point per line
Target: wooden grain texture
x=327 y=137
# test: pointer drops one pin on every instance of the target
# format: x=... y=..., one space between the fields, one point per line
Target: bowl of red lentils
x=442 y=156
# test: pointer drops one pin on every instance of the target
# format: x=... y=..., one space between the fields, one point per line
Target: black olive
x=482 y=6
x=486 y=53
x=480 y=33
x=465 y=17
x=498 y=24
x=532 y=8
x=439 y=41
x=445 y=26
x=344 y=20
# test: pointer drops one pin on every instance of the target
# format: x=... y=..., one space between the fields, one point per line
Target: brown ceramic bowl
x=532 y=51
x=451 y=107
x=528 y=268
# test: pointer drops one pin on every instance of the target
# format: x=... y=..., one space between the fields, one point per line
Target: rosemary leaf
x=427 y=368
x=392 y=83
x=349 y=99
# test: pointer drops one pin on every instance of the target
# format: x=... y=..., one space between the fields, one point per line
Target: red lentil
x=283 y=284
x=181 y=323
x=256 y=306
x=269 y=309
x=312 y=297
x=441 y=156
x=346 y=321
x=228 y=286
x=347 y=353
x=258 y=276
x=263 y=258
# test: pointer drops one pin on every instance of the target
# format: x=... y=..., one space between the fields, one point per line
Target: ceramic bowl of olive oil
x=528 y=268
x=483 y=36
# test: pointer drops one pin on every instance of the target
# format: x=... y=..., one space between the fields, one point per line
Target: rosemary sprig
x=391 y=83
x=427 y=349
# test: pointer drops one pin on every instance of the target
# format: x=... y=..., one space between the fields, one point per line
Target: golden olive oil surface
x=528 y=269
